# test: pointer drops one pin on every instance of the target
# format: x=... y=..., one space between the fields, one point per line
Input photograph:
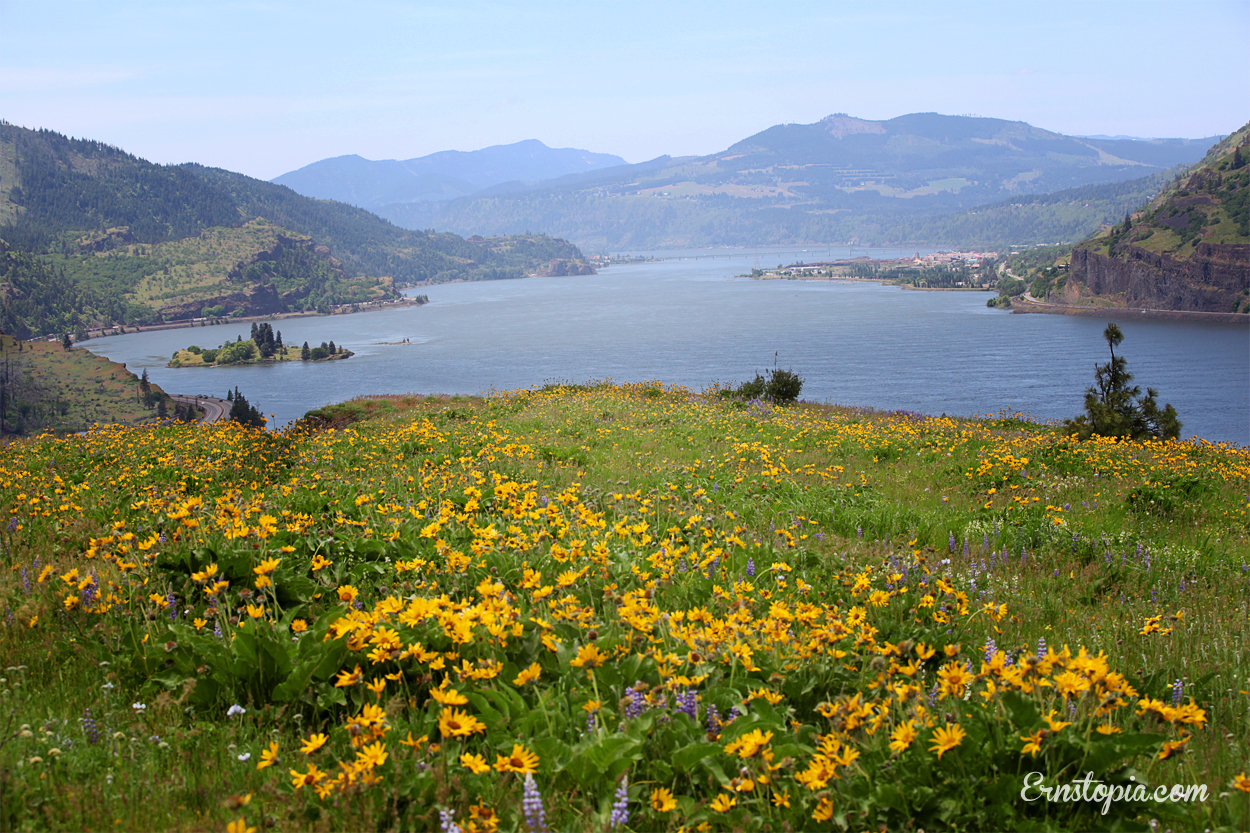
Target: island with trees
x=264 y=347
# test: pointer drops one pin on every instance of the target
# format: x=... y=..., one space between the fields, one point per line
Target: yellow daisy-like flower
x=902 y=736
x=453 y=723
x=824 y=810
x=1055 y=725
x=528 y=675
x=749 y=744
x=589 y=656
x=724 y=803
x=315 y=741
x=662 y=800
x=268 y=757
x=266 y=567
x=1033 y=742
x=448 y=697
x=474 y=763
x=373 y=755
x=313 y=776
x=347 y=594
x=1241 y=782
x=947 y=738
x=781 y=799
x=320 y=562
x=521 y=761
x=349 y=678
x=239 y=826
x=299 y=626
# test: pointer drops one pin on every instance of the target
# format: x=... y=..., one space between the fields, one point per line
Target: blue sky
x=268 y=86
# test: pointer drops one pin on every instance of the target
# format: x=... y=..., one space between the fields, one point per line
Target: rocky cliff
x=1215 y=278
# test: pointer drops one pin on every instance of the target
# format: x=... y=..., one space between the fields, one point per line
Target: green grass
x=621 y=518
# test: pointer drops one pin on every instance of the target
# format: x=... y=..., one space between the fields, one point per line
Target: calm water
x=690 y=321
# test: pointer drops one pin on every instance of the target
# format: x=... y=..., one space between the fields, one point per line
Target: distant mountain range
x=842 y=179
x=439 y=176
x=1188 y=249
x=92 y=236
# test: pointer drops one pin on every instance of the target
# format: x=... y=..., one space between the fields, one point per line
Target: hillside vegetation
x=45 y=387
x=133 y=242
x=915 y=179
x=1187 y=249
x=599 y=605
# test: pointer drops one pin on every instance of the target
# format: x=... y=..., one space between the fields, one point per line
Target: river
x=689 y=320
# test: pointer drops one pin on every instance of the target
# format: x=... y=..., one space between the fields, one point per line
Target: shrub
x=780 y=386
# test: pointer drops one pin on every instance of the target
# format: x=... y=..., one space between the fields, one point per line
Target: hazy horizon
x=267 y=88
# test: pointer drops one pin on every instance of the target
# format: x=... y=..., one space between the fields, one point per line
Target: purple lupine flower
x=1154 y=595
x=820 y=536
x=985 y=541
x=1056 y=572
x=89 y=728
x=591 y=722
x=951 y=542
x=734 y=713
x=1182 y=586
x=1041 y=646
x=12 y=523
x=173 y=606
x=711 y=570
x=751 y=567
x=994 y=526
x=933 y=696
x=532 y=805
x=445 y=823
x=637 y=701
x=681 y=565
x=965 y=548
x=859 y=532
x=713 y=719
x=1178 y=688
x=688 y=703
x=990 y=649
x=620 y=807
x=25 y=582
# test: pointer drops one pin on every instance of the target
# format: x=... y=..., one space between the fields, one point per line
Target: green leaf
x=687 y=758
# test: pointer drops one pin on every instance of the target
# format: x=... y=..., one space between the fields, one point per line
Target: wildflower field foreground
x=624 y=607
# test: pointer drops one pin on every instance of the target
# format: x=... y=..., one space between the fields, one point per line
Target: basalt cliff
x=1188 y=250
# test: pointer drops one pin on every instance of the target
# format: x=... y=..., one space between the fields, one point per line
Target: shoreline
x=190 y=324
x=1022 y=306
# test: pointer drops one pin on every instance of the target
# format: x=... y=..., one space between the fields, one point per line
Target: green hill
x=45 y=387
x=1188 y=249
x=129 y=241
x=897 y=181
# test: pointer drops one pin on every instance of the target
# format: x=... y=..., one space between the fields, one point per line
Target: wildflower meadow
x=621 y=607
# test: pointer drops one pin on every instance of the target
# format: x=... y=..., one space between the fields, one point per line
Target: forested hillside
x=1188 y=249
x=918 y=179
x=99 y=236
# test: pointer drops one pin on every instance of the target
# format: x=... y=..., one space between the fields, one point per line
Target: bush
x=1113 y=408
x=780 y=386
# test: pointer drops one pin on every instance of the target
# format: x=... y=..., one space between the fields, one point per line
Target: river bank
x=344 y=309
x=1023 y=305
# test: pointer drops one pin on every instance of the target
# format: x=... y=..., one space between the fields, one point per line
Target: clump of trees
x=1116 y=408
x=243 y=412
x=780 y=386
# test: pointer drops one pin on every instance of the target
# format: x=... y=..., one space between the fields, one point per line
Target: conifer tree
x=1114 y=408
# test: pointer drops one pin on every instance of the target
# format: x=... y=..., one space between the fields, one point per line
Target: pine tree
x=1113 y=408
x=304 y=353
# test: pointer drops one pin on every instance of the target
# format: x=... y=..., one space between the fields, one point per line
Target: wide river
x=689 y=320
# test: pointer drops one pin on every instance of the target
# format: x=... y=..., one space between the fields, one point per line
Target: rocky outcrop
x=1213 y=279
x=559 y=268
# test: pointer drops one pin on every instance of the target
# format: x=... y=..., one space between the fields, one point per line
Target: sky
x=267 y=86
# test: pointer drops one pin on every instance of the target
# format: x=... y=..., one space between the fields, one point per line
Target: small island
x=264 y=347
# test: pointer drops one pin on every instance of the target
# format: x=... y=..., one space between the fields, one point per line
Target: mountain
x=840 y=179
x=439 y=176
x=1187 y=249
x=94 y=236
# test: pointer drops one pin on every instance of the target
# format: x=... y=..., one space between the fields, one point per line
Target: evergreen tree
x=332 y=349
x=244 y=413
x=67 y=343
x=304 y=353
x=1113 y=408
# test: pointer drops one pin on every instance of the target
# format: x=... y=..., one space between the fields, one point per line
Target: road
x=214 y=409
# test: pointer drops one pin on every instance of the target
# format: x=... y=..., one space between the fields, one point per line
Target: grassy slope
x=627 y=503
x=94 y=389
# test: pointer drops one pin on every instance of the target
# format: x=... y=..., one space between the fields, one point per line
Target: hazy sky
x=267 y=86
